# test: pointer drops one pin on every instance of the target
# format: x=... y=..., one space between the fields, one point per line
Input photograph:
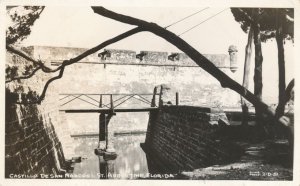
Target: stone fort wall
x=121 y=71
x=186 y=137
x=124 y=71
x=32 y=146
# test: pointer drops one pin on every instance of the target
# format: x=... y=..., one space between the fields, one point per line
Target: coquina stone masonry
x=185 y=137
x=31 y=132
x=123 y=71
x=32 y=146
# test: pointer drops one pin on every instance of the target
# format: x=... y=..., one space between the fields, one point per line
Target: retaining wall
x=31 y=144
x=186 y=137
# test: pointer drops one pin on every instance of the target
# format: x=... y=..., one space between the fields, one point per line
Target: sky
x=79 y=26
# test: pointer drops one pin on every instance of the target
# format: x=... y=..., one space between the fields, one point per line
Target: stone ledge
x=192 y=108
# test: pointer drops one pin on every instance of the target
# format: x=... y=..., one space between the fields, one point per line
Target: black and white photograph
x=149 y=92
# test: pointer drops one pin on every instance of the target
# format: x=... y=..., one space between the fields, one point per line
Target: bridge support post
x=177 y=99
x=102 y=128
x=106 y=132
x=153 y=103
x=103 y=168
x=100 y=102
x=111 y=103
x=108 y=153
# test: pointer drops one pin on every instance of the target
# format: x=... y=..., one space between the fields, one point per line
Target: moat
x=130 y=162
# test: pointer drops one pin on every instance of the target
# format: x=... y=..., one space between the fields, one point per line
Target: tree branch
x=102 y=45
x=198 y=58
x=42 y=96
x=24 y=77
x=28 y=58
x=203 y=62
x=22 y=54
x=288 y=91
x=78 y=58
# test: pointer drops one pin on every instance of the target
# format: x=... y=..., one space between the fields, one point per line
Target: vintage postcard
x=149 y=91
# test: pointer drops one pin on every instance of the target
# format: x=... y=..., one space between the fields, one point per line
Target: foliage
x=267 y=19
x=13 y=97
x=11 y=72
x=17 y=68
x=270 y=23
x=22 y=19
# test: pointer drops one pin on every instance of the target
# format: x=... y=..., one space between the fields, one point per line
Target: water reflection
x=130 y=163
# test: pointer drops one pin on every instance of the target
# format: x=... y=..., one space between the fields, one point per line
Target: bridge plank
x=146 y=109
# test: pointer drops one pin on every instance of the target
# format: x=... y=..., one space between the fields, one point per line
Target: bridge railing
x=115 y=100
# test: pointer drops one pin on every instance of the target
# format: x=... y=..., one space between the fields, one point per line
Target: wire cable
x=186 y=17
x=202 y=22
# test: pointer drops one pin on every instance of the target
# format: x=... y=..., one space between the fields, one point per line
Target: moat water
x=131 y=162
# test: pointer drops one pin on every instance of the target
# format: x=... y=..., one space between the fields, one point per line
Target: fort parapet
x=113 y=56
x=55 y=55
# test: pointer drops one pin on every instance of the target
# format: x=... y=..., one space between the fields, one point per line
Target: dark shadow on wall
x=31 y=144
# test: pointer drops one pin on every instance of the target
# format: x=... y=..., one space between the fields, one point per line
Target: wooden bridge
x=108 y=105
x=115 y=103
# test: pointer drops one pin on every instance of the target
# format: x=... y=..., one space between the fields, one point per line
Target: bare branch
x=203 y=62
x=22 y=54
x=288 y=91
x=102 y=45
x=198 y=58
x=80 y=57
x=76 y=59
x=27 y=57
x=170 y=37
x=120 y=17
x=42 y=96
